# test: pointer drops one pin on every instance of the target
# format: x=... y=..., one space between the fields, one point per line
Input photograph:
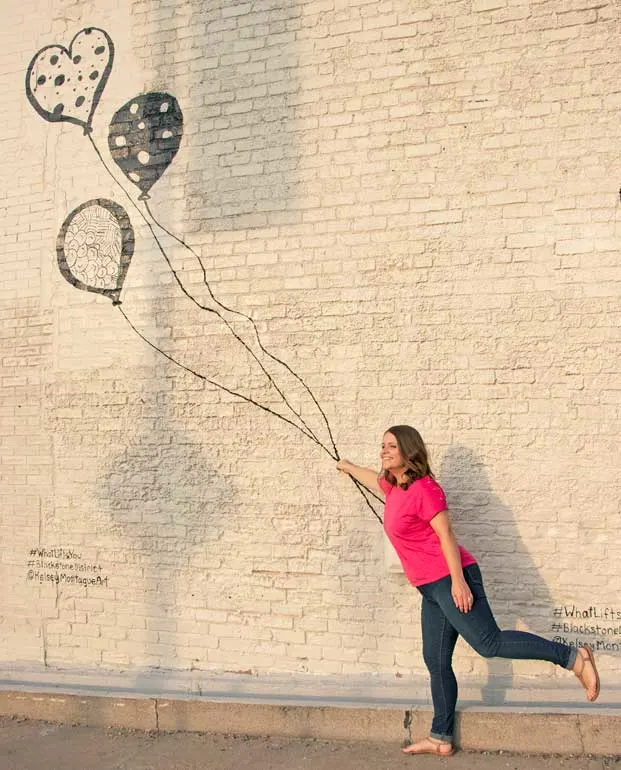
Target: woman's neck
x=400 y=475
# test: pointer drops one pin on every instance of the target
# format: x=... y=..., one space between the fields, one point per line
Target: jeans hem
x=441 y=737
x=571 y=660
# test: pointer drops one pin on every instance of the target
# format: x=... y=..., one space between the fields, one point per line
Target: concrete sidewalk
x=582 y=732
x=35 y=745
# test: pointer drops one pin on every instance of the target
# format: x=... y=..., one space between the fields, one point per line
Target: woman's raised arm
x=366 y=476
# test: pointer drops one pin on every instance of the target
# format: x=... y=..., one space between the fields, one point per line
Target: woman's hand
x=460 y=590
x=365 y=476
x=462 y=595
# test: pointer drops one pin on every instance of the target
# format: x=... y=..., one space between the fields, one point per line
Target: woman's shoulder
x=428 y=481
x=426 y=485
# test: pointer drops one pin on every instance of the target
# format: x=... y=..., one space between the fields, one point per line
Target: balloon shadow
x=486 y=526
x=169 y=506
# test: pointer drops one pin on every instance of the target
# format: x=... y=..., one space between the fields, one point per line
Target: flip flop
x=588 y=658
x=431 y=747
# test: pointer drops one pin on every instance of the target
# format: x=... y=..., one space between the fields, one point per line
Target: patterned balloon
x=67 y=83
x=95 y=246
x=144 y=137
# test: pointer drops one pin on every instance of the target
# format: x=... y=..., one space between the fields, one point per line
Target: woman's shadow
x=518 y=595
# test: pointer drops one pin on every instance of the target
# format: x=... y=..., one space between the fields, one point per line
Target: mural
x=144 y=137
x=96 y=241
x=67 y=83
x=95 y=246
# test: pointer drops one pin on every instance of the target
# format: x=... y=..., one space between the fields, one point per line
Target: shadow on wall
x=169 y=507
x=486 y=526
x=237 y=85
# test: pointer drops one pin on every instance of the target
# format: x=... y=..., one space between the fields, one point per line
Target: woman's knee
x=487 y=647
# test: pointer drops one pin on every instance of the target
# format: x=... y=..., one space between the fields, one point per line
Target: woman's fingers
x=464 y=602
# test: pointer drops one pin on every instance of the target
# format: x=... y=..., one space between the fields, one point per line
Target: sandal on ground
x=430 y=746
x=585 y=655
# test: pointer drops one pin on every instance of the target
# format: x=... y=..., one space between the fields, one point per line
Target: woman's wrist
x=345 y=466
x=458 y=577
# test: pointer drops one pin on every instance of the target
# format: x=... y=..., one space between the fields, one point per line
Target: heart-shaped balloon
x=67 y=83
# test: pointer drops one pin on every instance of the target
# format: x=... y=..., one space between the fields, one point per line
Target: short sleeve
x=431 y=498
x=384 y=485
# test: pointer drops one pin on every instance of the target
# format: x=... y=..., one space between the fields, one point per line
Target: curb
x=519 y=731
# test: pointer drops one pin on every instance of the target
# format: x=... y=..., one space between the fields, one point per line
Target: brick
x=422 y=224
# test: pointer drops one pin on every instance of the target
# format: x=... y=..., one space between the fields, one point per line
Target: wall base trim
x=527 y=730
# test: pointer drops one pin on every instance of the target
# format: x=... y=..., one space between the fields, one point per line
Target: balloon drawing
x=96 y=242
x=144 y=137
x=95 y=246
x=65 y=84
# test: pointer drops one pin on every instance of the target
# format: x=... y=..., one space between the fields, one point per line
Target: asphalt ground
x=33 y=745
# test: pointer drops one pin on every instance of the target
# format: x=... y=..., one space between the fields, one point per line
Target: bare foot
x=584 y=669
x=430 y=746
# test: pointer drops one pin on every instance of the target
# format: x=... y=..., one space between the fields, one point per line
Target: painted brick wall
x=418 y=205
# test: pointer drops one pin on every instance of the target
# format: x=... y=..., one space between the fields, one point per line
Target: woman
x=418 y=525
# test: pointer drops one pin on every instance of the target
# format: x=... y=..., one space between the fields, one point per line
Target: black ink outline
x=162 y=149
x=127 y=248
x=361 y=487
x=53 y=117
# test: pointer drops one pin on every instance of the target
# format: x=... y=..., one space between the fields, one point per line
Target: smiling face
x=391 y=457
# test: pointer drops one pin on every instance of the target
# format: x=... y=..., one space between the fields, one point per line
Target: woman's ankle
x=445 y=740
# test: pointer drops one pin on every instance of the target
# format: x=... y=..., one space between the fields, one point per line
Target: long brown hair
x=414 y=453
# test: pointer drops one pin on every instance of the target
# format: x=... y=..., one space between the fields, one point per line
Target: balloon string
x=247 y=317
x=232 y=331
x=309 y=435
x=212 y=310
x=231 y=392
x=360 y=487
x=210 y=381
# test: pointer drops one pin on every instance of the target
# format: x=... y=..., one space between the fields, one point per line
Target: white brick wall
x=419 y=209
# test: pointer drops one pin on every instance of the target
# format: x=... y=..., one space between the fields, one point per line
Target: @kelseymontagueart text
x=63 y=566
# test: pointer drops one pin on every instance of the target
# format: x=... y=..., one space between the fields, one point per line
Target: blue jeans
x=442 y=623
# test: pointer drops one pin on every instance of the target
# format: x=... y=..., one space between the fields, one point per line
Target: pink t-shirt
x=407 y=513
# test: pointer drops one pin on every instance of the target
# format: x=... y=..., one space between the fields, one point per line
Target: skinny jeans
x=443 y=623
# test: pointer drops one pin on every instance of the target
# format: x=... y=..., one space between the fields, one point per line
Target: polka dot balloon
x=65 y=84
x=144 y=137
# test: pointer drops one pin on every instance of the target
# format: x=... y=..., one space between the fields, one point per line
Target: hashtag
x=33 y=551
x=31 y=562
x=558 y=611
x=556 y=627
